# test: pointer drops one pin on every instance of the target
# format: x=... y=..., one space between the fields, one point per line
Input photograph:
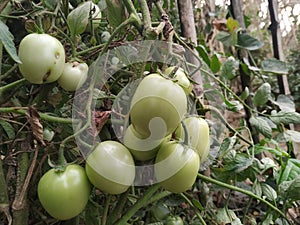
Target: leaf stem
x=246 y=192
x=44 y=116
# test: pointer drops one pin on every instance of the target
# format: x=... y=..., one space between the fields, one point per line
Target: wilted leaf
x=7 y=40
x=232 y=24
x=274 y=66
x=262 y=126
x=227 y=146
x=262 y=95
x=34 y=120
x=248 y=42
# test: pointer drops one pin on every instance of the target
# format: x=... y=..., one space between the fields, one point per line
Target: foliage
x=252 y=175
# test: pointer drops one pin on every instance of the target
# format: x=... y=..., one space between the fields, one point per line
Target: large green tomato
x=64 y=194
x=110 y=167
x=140 y=147
x=73 y=75
x=42 y=57
x=174 y=221
x=198 y=135
x=181 y=78
x=176 y=167
x=157 y=106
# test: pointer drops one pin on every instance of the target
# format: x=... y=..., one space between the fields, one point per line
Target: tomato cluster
x=43 y=61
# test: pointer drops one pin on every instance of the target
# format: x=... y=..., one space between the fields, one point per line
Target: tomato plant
x=197 y=131
x=110 y=167
x=42 y=57
x=165 y=103
x=73 y=75
x=64 y=194
x=176 y=167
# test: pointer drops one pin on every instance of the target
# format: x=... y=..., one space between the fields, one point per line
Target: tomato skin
x=157 y=106
x=141 y=148
x=73 y=76
x=42 y=57
x=174 y=221
x=198 y=135
x=65 y=194
x=176 y=167
x=181 y=77
x=110 y=167
x=160 y=212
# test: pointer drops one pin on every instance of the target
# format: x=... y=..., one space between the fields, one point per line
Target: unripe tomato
x=64 y=194
x=176 y=167
x=140 y=147
x=157 y=106
x=198 y=135
x=42 y=57
x=181 y=78
x=110 y=167
x=174 y=221
x=73 y=75
x=160 y=212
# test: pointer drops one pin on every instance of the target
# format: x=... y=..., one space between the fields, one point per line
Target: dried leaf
x=35 y=123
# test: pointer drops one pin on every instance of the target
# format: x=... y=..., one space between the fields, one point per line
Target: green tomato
x=95 y=16
x=174 y=221
x=157 y=106
x=140 y=147
x=160 y=212
x=181 y=77
x=110 y=167
x=42 y=57
x=73 y=76
x=64 y=194
x=176 y=167
x=198 y=135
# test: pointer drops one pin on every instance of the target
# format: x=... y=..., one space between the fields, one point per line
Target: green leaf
x=215 y=64
x=228 y=69
x=269 y=192
x=262 y=95
x=203 y=54
x=261 y=125
x=290 y=171
x=226 y=146
x=197 y=204
x=115 y=12
x=78 y=19
x=8 y=128
x=290 y=189
x=292 y=135
x=285 y=117
x=7 y=40
x=226 y=38
x=274 y=66
x=245 y=93
x=51 y=4
x=248 y=42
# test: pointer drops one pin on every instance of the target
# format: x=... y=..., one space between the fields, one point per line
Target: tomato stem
x=105 y=210
x=185 y=133
x=139 y=204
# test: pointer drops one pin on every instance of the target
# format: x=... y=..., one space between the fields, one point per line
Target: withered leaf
x=35 y=124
